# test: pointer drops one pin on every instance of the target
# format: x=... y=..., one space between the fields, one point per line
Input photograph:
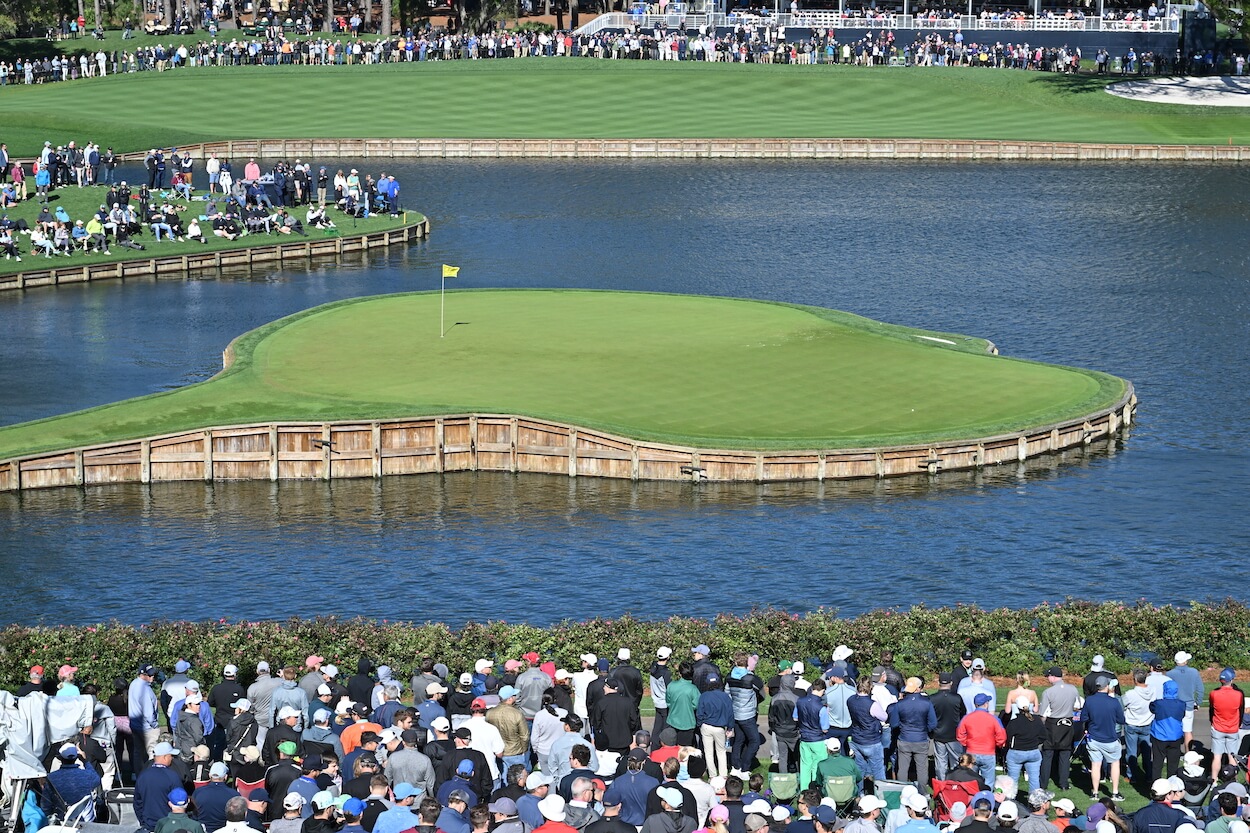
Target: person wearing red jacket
x=981 y=734
x=1227 y=705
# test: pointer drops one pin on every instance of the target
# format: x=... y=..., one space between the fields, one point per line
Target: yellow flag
x=450 y=271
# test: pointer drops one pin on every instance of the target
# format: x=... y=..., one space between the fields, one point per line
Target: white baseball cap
x=664 y=652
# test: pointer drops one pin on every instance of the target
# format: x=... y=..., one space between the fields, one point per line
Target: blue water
x=1140 y=271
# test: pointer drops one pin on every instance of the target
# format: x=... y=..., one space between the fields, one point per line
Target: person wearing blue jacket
x=813 y=720
x=914 y=719
x=1167 y=731
x=866 y=736
x=714 y=716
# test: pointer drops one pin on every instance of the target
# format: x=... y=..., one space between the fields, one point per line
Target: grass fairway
x=563 y=98
x=709 y=372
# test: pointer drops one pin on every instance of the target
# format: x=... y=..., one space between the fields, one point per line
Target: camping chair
x=245 y=787
x=70 y=817
x=890 y=792
x=842 y=789
x=783 y=786
x=1196 y=791
x=946 y=794
x=121 y=806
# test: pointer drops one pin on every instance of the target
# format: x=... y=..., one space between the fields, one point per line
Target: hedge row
x=924 y=640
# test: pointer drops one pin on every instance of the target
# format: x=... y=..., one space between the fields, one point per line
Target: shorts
x=1225 y=743
x=1187 y=724
x=214 y=178
x=1108 y=752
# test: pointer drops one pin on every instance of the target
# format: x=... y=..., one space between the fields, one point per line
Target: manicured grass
x=587 y=98
x=709 y=372
x=81 y=203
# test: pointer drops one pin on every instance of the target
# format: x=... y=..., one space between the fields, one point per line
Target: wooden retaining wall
x=503 y=443
x=913 y=149
x=303 y=248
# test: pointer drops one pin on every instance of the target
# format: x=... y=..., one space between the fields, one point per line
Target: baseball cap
x=966 y=653
x=177 y=797
x=440 y=724
x=353 y=806
x=981 y=699
x=512 y=665
x=841 y=653
x=1096 y=813
x=314 y=660
x=322 y=799
x=535 y=780
x=404 y=790
x=324 y=689
x=435 y=688
x=552 y=808
x=718 y=813
x=868 y=803
x=218 y=770
x=163 y=748
x=1098 y=663
x=1054 y=671
x=330 y=670
x=945 y=678
x=464 y=733
x=637 y=754
x=37 y=670
x=1182 y=657
x=312 y=763
x=68 y=750
x=287 y=711
x=1039 y=797
x=388 y=734
x=833 y=745
x=230 y=670
x=759 y=806
x=478 y=704
x=466 y=678
x=602 y=665
x=672 y=797
x=1008 y=811
x=589 y=659
x=781 y=812
x=798 y=668
x=259 y=794
x=824 y=814
x=918 y=803
x=191 y=685
x=563 y=674
x=623 y=654
x=664 y=652
x=293 y=801
x=503 y=805
x=701 y=649
x=180 y=667
x=288 y=747
x=1066 y=805
x=508 y=691
x=321 y=716
x=147 y=670
x=482 y=664
x=613 y=799
x=1227 y=675
x=465 y=767
x=978 y=664
x=1160 y=787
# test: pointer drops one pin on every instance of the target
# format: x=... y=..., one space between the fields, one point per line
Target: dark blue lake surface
x=1141 y=271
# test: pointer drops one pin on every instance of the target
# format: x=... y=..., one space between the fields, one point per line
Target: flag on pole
x=450 y=271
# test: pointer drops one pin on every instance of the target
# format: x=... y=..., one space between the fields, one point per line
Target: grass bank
x=574 y=98
x=689 y=370
x=81 y=203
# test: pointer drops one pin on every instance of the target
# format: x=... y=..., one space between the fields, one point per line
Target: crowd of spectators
x=534 y=747
x=174 y=209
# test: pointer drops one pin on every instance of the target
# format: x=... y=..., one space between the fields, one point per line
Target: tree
x=1231 y=15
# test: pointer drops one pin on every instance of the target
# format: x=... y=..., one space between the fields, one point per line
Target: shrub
x=923 y=639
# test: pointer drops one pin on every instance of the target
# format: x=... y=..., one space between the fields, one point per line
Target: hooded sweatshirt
x=1168 y=712
x=673 y=821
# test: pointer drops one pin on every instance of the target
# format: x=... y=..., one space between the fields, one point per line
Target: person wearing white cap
x=220 y=699
x=629 y=675
x=554 y=814
x=1190 y=690
x=260 y=693
x=482 y=672
x=918 y=821
x=658 y=678
x=1158 y=815
x=241 y=730
x=1097 y=668
x=867 y=811
x=670 y=818
x=581 y=681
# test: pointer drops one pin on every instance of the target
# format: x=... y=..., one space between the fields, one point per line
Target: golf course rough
x=690 y=370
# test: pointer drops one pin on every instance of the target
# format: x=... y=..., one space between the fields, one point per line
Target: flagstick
x=442 y=294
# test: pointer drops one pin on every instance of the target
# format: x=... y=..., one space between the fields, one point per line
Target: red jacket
x=980 y=733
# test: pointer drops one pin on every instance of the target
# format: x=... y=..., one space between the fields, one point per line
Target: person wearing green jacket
x=683 y=699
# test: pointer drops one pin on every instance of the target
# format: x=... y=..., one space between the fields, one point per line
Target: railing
x=621 y=21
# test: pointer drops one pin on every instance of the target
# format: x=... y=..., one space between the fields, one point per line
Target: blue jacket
x=715 y=709
x=1189 y=687
x=633 y=788
x=1103 y=716
x=152 y=789
x=913 y=717
x=527 y=810
x=865 y=728
x=807 y=711
x=1168 y=712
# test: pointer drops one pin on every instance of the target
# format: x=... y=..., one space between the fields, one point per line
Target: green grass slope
x=586 y=98
x=709 y=372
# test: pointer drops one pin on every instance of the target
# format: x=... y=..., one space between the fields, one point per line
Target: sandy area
x=1216 y=91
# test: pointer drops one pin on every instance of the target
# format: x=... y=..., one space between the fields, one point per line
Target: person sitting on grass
x=193 y=231
x=8 y=195
x=171 y=213
x=157 y=222
x=124 y=240
x=316 y=217
x=284 y=223
x=258 y=220
x=224 y=225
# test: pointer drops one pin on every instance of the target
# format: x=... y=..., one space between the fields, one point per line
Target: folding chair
x=947 y=794
x=121 y=806
x=245 y=787
x=890 y=792
x=783 y=786
x=842 y=789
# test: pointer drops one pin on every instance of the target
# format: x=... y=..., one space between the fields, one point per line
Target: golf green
x=691 y=370
x=575 y=98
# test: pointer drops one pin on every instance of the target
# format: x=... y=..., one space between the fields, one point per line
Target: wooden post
x=820 y=466
x=326 y=451
x=880 y=461
x=512 y=441
x=79 y=478
x=376 y=441
x=1054 y=439
x=759 y=468
x=1022 y=448
x=473 y=442
x=208 y=456
x=979 y=460
x=273 y=453
x=438 y=445
x=145 y=461
x=572 y=452
x=633 y=461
